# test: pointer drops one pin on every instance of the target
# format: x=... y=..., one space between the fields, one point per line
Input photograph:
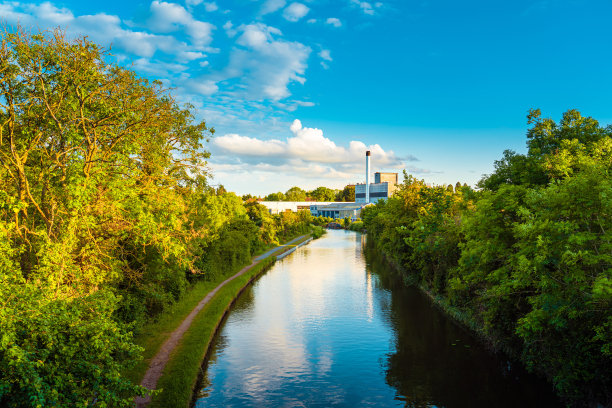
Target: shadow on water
x=438 y=363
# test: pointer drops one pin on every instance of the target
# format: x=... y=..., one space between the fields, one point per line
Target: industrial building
x=384 y=186
x=277 y=207
x=337 y=210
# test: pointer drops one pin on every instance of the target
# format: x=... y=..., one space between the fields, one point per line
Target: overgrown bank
x=526 y=259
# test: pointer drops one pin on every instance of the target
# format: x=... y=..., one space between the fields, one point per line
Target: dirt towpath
x=159 y=361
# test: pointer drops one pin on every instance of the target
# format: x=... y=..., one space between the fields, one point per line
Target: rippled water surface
x=331 y=326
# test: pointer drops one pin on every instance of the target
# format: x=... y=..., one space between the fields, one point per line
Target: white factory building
x=383 y=187
x=337 y=210
x=367 y=193
x=277 y=207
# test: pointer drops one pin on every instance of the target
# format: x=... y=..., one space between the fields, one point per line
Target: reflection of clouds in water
x=370 y=302
x=266 y=340
x=325 y=362
x=306 y=321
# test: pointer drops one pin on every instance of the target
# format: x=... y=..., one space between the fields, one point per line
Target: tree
x=322 y=194
x=275 y=197
x=87 y=150
x=295 y=194
x=346 y=222
x=347 y=194
x=545 y=136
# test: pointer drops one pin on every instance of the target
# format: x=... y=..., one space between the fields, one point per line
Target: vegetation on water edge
x=528 y=257
x=106 y=218
x=180 y=376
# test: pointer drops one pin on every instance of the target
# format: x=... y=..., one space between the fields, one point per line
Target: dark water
x=331 y=326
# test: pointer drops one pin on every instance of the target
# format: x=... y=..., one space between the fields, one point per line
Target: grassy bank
x=155 y=333
x=289 y=247
x=182 y=371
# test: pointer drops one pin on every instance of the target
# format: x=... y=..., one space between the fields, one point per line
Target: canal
x=332 y=326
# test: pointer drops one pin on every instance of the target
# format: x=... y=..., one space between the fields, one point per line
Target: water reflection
x=323 y=329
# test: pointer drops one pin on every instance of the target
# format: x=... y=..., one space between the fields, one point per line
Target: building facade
x=337 y=210
x=277 y=207
x=384 y=186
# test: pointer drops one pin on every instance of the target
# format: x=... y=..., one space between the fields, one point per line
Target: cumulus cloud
x=210 y=7
x=170 y=17
x=366 y=7
x=246 y=146
x=308 y=145
x=295 y=11
x=334 y=22
x=108 y=29
x=266 y=64
x=306 y=154
x=204 y=87
x=270 y=6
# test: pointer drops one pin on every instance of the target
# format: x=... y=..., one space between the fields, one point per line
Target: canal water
x=332 y=326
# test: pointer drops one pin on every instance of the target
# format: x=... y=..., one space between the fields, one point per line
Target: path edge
x=145 y=402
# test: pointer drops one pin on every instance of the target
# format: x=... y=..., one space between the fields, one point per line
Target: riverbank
x=465 y=320
x=173 y=345
x=459 y=316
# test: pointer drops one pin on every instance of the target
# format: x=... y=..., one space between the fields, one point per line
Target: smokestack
x=367 y=198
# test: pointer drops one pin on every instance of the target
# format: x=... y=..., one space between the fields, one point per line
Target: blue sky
x=297 y=91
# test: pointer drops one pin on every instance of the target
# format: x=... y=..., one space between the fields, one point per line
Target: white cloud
x=106 y=29
x=325 y=55
x=295 y=11
x=270 y=6
x=365 y=6
x=201 y=86
x=308 y=145
x=307 y=156
x=170 y=17
x=157 y=68
x=311 y=21
x=229 y=29
x=210 y=7
x=334 y=21
x=247 y=146
x=265 y=64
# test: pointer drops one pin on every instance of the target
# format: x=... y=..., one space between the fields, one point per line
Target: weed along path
x=164 y=355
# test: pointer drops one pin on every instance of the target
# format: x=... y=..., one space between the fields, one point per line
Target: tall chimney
x=367 y=198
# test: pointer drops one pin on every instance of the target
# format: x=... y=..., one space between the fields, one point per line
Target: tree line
x=347 y=194
x=525 y=259
x=106 y=218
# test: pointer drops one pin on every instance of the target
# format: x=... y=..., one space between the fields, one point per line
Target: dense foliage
x=105 y=218
x=318 y=194
x=528 y=257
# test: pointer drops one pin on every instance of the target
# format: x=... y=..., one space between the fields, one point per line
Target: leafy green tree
x=546 y=136
x=275 y=197
x=86 y=151
x=295 y=194
x=346 y=222
x=347 y=194
x=526 y=259
x=322 y=194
